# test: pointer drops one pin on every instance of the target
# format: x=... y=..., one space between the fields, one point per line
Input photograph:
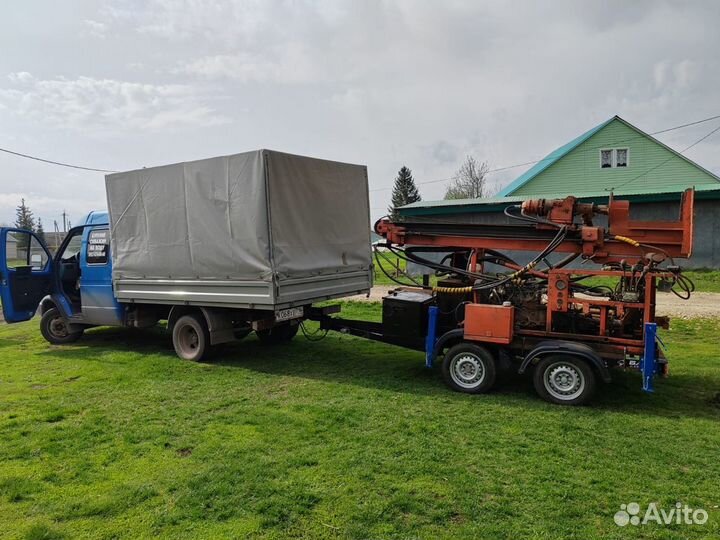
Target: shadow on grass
x=358 y=362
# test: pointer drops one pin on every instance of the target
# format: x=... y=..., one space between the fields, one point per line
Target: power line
x=94 y=169
x=701 y=139
x=55 y=162
x=686 y=125
x=553 y=157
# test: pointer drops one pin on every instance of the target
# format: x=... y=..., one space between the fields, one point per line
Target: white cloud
x=105 y=104
x=291 y=64
x=95 y=28
x=177 y=20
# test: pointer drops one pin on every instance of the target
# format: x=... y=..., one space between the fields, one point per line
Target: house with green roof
x=613 y=157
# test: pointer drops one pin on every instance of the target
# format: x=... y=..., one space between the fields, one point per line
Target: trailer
x=542 y=317
x=253 y=242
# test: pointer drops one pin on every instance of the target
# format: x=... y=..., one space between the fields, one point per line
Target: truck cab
x=72 y=287
x=72 y=290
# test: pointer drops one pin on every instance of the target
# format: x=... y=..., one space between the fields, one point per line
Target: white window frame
x=627 y=157
x=613 y=157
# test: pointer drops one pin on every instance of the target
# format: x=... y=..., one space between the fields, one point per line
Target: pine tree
x=404 y=191
x=39 y=230
x=24 y=217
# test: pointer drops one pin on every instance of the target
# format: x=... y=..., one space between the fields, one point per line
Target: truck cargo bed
x=261 y=230
x=241 y=294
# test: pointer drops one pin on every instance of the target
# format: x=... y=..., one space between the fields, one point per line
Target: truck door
x=99 y=305
x=26 y=273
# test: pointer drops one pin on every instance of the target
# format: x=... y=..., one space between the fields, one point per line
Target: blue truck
x=218 y=248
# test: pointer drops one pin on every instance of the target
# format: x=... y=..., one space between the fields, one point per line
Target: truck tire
x=469 y=368
x=280 y=333
x=54 y=328
x=564 y=380
x=191 y=337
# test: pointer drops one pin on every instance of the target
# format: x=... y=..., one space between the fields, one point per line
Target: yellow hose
x=453 y=290
x=465 y=290
x=627 y=240
x=527 y=267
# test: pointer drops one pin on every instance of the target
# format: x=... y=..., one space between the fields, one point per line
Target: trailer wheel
x=191 y=337
x=279 y=333
x=54 y=328
x=469 y=368
x=564 y=379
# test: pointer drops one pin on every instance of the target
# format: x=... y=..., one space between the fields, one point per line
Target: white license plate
x=289 y=313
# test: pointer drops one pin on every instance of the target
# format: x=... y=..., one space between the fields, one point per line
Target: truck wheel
x=564 y=379
x=469 y=368
x=279 y=333
x=54 y=328
x=191 y=338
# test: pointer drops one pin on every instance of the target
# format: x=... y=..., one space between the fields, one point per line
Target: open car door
x=26 y=273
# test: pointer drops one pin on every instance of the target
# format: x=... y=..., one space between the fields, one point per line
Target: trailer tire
x=280 y=333
x=469 y=368
x=564 y=379
x=191 y=337
x=54 y=328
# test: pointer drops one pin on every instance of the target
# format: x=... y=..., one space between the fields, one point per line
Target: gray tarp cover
x=245 y=216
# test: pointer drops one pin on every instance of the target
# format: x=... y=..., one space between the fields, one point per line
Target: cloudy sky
x=124 y=84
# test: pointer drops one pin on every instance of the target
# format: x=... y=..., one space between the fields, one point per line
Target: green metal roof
x=551 y=158
x=495 y=204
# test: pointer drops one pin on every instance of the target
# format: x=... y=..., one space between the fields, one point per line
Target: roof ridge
x=560 y=152
x=554 y=157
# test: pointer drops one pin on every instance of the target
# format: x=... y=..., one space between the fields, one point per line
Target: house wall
x=651 y=166
x=11 y=250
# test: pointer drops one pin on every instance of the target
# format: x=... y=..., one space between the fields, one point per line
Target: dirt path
x=699 y=305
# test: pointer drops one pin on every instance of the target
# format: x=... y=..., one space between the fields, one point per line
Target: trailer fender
x=556 y=347
x=445 y=340
x=219 y=321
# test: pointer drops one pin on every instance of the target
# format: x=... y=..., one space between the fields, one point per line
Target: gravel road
x=699 y=305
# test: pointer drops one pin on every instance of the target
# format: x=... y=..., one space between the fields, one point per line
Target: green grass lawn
x=115 y=437
x=391 y=263
x=705 y=280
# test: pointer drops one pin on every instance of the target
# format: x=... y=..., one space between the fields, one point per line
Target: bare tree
x=470 y=180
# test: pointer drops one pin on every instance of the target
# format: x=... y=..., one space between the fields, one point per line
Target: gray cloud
x=444 y=152
x=87 y=103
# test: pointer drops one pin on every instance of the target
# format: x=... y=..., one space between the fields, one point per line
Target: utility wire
x=55 y=162
x=701 y=139
x=553 y=157
x=94 y=169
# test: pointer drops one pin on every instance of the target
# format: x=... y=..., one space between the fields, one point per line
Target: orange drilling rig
x=568 y=324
